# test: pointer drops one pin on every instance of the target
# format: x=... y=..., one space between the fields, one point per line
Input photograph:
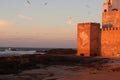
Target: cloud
x=70 y=22
x=4 y=23
x=24 y=17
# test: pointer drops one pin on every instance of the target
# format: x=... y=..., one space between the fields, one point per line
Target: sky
x=45 y=23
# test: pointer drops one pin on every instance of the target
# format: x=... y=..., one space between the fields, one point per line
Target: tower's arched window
x=105 y=10
x=114 y=9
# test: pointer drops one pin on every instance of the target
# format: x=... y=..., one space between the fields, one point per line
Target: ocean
x=17 y=51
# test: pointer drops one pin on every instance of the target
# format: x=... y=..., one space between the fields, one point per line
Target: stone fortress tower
x=95 y=41
x=111 y=5
x=111 y=13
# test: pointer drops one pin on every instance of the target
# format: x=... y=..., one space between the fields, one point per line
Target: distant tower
x=111 y=13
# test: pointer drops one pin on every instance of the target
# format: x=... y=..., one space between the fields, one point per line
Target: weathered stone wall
x=111 y=19
x=110 y=42
x=88 y=38
x=83 y=39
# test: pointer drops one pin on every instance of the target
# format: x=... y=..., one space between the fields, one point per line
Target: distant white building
x=111 y=5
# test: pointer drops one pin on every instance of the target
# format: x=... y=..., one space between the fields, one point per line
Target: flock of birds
x=28 y=2
x=87 y=6
x=70 y=18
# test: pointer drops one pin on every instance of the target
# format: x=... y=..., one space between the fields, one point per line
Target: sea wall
x=110 y=42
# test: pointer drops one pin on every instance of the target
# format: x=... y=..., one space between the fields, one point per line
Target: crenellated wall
x=95 y=41
x=110 y=42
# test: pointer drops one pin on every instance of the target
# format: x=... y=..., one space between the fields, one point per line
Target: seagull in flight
x=87 y=6
x=28 y=1
x=45 y=3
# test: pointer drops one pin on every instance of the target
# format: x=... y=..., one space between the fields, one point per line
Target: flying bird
x=45 y=3
x=28 y=1
x=70 y=17
x=87 y=6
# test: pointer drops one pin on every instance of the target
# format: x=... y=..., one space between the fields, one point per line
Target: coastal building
x=96 y=41
x=111 y=13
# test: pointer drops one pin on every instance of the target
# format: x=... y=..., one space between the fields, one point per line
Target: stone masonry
x=92 y=40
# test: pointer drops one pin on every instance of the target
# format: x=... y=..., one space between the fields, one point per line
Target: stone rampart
x=110 y=42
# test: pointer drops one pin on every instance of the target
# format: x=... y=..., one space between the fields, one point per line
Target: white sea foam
x=15 y=53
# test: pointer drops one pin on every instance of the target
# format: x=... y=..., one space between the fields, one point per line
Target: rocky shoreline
x=53 y=65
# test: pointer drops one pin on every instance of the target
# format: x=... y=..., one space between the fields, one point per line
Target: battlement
x=111 y=29
x=110 y=41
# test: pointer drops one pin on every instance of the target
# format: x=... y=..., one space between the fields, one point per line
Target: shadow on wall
x=106 y=25
x=95 y=40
